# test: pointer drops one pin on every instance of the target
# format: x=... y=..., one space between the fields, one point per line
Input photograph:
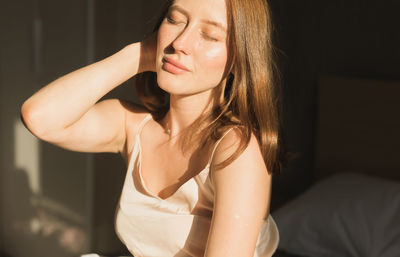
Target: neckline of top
x=148 y=117
x=139 y=145
x=139 y=169
x=138 y=141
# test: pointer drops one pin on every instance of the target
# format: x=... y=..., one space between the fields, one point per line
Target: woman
x=202 y=151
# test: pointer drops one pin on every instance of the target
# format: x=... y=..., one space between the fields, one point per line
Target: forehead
x=214 y=10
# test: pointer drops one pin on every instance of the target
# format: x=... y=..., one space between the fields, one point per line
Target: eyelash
x=209 y=38
x=170 y=20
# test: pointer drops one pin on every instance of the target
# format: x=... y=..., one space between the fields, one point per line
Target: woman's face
x=191 y=47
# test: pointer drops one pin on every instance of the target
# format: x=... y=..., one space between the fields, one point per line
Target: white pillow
x=347 y=214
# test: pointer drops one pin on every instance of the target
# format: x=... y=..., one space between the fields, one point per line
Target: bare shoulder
x=247 y=171
x=250 y=157
x=134 y=115
x=242 y=197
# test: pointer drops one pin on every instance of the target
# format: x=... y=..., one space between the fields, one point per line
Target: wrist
x=131 y=54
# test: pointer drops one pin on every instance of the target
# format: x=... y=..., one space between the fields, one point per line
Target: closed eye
x=170 y=20
x=208 y=37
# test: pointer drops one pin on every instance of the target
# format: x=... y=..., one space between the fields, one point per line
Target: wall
x=357 y=38
x=44 y=190
x=55 y=202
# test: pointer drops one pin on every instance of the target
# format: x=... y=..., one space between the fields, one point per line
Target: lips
x=173 y=66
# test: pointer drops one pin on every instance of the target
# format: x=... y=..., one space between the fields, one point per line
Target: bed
x=353 y=206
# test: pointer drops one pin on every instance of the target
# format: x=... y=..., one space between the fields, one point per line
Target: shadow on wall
x=33 y=223
x=43 y=226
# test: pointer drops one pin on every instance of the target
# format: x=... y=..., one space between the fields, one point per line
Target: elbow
x=32 y=120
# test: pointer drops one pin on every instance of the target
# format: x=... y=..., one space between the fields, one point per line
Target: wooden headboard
x=358 y=127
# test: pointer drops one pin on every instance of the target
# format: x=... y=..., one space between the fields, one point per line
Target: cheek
x=216 y=58
x=162 y=43
x=161 y=39
x=212 y=66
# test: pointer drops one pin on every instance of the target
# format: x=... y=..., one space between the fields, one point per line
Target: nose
x=185 y=40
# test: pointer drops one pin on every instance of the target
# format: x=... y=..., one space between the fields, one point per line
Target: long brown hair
x=249 y=98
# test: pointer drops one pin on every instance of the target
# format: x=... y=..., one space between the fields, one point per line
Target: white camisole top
x=177 y=226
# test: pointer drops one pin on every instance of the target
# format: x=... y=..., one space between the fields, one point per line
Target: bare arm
x=242 y=197
x=66 y=112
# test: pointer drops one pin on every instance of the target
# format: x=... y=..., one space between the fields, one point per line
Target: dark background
x=71 y=208
x=346 y=38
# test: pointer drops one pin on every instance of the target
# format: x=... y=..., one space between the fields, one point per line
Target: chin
x=174 y=83
x=171 y=84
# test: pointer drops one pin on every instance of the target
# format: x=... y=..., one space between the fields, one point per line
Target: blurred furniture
x=353 y=206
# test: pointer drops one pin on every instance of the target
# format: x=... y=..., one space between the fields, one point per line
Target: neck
x=184 y=110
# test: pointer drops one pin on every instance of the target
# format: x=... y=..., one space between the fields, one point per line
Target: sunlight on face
x=191 y=47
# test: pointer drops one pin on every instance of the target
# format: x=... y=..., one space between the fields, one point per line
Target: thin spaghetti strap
x=217 y=143
x=142 y=123
x=136 y=147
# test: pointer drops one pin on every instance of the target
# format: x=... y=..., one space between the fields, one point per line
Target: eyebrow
x=216 y=24
x=207 y=21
